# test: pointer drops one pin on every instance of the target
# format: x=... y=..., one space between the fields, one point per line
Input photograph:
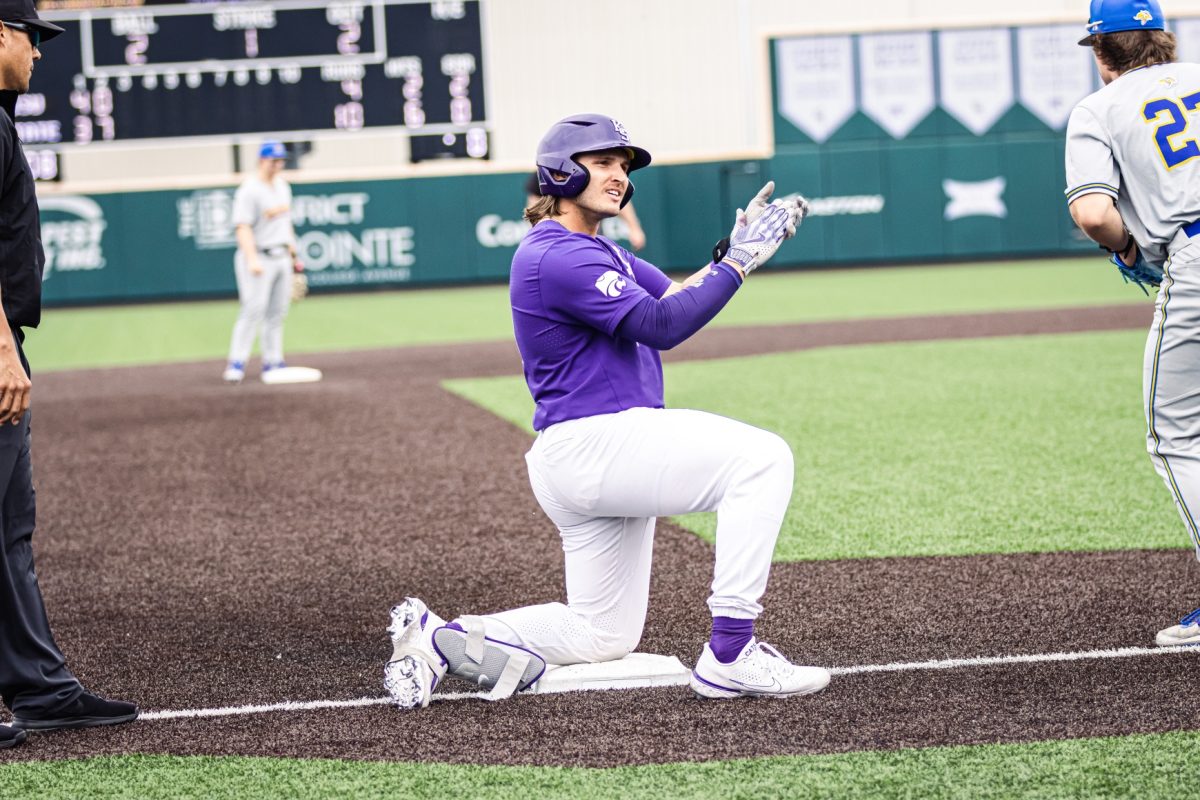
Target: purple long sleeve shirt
x=570 y=293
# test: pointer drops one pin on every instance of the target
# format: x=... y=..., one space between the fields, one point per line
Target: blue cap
x=272 y=149
x=1112 y=16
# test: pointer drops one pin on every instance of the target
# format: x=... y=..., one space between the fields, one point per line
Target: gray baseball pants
x=264 y=305
x=1171 y=382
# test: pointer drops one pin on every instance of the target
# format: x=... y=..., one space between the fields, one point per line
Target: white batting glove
x=758 y=204
x=797 y=208
x=754 y=209
x=752 y=243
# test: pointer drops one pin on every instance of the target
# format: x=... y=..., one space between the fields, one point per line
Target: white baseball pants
x=604 y=479
x=1171 y=385
x=264 y=304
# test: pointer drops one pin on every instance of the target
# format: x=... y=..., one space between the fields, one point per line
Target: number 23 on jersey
x=1173 y=120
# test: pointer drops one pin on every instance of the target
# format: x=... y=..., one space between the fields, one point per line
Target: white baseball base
x=634 y=671
x=291 y=375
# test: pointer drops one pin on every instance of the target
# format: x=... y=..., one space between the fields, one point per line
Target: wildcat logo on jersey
x=610 y=283
x=624 y=134
x=1144 y=16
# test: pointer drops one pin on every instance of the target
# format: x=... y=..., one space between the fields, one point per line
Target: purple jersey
x=569 y=293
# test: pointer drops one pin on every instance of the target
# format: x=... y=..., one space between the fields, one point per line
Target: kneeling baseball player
x=590 y=319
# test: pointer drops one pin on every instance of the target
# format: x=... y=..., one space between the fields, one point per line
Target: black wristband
x=720 y=249
x=1129 y=245
x=1125 y=248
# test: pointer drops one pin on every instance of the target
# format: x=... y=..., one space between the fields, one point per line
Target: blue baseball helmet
x=272 y=149
x=582 y=133
x=1112 y=16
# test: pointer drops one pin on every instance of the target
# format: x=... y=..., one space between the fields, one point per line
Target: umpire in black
x=34 y=680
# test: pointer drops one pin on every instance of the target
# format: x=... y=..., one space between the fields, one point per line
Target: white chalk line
x=950 y=663
x=1035 y=658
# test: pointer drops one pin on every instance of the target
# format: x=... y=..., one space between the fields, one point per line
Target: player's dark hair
x=1126 y=50
x=542 y=208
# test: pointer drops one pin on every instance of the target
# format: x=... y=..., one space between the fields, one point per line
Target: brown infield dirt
x=204 y=546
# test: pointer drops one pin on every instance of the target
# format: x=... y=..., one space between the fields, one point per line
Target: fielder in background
x=34 y=680
x=1133 y=185
x=269 y=273
x=590 y=319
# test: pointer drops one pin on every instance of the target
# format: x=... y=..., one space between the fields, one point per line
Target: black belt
x=277 y=250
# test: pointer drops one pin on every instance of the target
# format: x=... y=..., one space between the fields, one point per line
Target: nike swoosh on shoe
x=773 y=686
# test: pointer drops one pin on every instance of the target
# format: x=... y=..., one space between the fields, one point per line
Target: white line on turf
x=950 y=663
x=308 y=705
x=1035 y=658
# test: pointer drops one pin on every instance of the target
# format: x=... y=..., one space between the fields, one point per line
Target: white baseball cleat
x=759 y=671
x=1186 y=632
x=415 y=668
x=234 y=372
x=425 y=649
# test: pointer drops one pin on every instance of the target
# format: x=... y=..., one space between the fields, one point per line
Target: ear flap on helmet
x=576 y=179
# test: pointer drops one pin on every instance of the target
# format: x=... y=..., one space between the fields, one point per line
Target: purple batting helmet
x=1114 y=16
x=582 y=133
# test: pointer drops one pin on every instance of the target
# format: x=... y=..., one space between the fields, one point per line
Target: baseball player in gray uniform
x=1133 y=185
x=590 y=318
x=264 y=263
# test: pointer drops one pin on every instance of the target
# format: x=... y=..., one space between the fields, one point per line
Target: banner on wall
x=975 y=71
x=897 y=79
x=975 y=75
x=1055 y=73
x=815 y=83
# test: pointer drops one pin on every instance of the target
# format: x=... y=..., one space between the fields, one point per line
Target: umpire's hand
x=14 y=383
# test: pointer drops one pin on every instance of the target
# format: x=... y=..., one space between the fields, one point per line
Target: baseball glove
x=1140 y=272
x=299 y=286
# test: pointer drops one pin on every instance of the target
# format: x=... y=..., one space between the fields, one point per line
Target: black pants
x=33 y=673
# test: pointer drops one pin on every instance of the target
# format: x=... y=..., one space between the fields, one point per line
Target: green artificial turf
x=146 y=334
x=948 y=447
x=1021 y=444
x=1132 y=766
x=171 y=332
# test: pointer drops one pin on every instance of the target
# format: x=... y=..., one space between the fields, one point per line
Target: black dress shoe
x=86 y=711
x=10 y=737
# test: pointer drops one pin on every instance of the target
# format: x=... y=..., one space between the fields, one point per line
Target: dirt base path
x=204 y=546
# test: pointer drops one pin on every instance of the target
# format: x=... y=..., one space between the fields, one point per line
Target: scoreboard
x=145 y=69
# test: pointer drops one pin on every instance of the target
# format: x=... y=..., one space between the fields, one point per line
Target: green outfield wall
x=874 y=202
